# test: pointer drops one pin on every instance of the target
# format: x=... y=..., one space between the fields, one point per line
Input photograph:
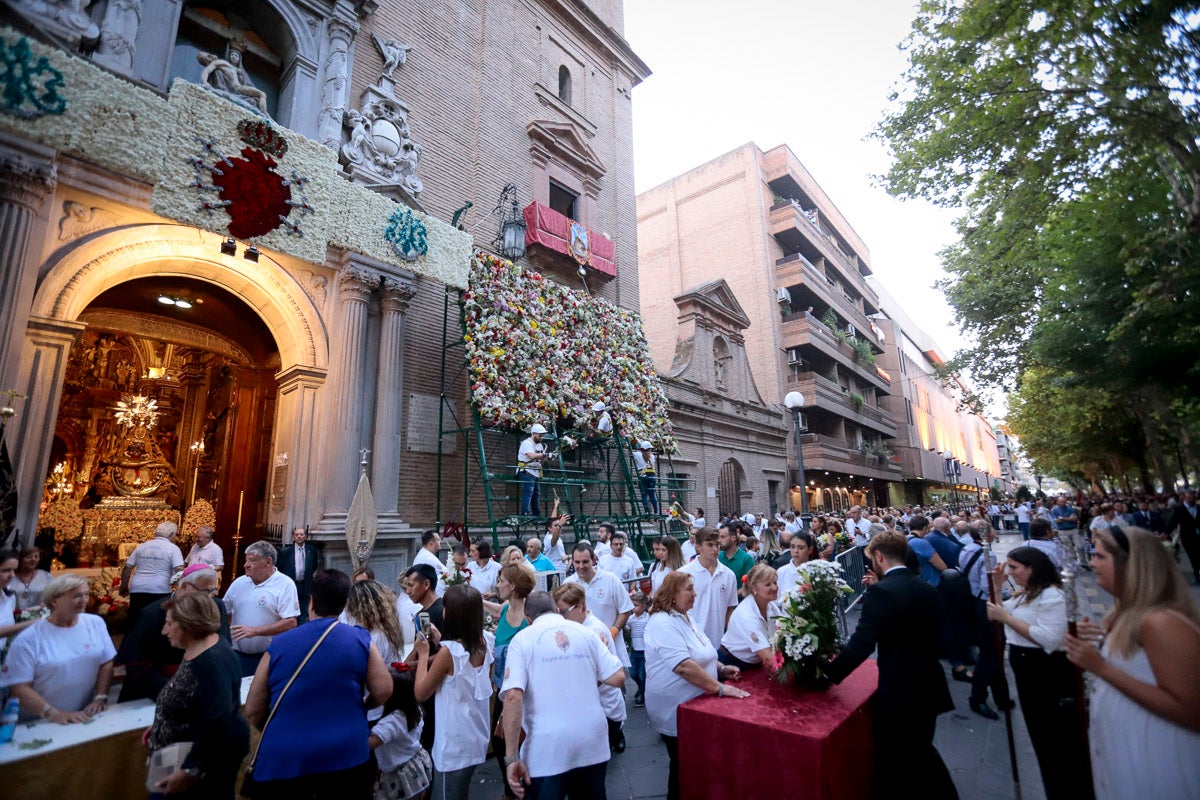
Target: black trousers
x=581 y=783
x=498 y=744
x=1046 y=689
x=344 y=784
x=989 y=671
x=672 y=743
x=904 y=746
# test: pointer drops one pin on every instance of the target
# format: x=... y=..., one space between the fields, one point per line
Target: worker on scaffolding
x=529 y=470
x=647 y=470
x=603 y=427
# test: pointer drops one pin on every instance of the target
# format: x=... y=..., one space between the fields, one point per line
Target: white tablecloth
x=119 y=718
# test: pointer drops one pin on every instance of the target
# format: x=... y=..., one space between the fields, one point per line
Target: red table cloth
x=780 y=742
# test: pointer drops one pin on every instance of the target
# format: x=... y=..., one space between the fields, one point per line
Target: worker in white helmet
x=529 y=470
x=647 y=469
x=603 y=427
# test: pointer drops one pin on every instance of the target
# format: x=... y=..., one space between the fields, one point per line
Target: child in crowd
x=637 y=656
x=405 y=769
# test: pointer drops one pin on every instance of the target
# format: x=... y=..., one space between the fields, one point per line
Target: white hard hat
x=644 y=445
x=537 y=428
x=598 y=405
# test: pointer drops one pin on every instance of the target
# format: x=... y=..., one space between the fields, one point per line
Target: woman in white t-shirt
x=30 y=581
x=681 y=663
x=459 y=680
x=8 y=602
x=62 y=666
x=485 y=570
x=747 y=640
x=668 y=557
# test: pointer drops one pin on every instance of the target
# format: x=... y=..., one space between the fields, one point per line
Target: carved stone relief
x=80 y=220
x=65 y=21
x=118 y=34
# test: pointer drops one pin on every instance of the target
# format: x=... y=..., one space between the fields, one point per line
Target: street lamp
x=953 y=472
x=511 y=239
x=794 y=402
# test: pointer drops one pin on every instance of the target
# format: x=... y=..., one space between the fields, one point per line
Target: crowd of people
x=365 y=691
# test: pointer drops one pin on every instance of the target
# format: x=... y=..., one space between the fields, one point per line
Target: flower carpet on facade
x=542 y=352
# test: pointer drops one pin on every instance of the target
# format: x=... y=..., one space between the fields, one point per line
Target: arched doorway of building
x=205 y=363
x=730 y=481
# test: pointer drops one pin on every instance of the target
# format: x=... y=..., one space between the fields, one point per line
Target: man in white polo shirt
x=607 y=597
x=548 y=663
x=156 y=562
x=431 y=544
x=619 y=561
x=716 y=588
x=261 y=604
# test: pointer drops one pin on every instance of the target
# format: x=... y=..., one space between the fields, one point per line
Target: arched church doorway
x=167 y=405
x=730 y=481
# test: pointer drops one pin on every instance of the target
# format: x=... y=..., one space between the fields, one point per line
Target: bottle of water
x=8 y=720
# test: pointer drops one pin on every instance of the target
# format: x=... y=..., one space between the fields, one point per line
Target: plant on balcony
x=862 y=351
x=830 y=320
x=785 y=308
x=857 y=400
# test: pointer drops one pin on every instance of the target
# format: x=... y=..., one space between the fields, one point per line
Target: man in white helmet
x=603 y=427
x=529 y=470
x=647 y=469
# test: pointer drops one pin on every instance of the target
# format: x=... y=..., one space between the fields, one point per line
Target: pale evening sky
x=812 y=75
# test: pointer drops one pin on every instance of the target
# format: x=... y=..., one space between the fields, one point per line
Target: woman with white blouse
x=681 y=664
x=747 y=640
x=668 y=557
x=1035 y=627
x=30 y=581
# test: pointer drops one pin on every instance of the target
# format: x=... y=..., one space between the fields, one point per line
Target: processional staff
x=998 y=642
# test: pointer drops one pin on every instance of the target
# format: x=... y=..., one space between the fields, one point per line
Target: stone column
x=335 y=89
x=349 y=355
x=43 y=367
x=389 y=398
x=25 y=182
x=297 y=449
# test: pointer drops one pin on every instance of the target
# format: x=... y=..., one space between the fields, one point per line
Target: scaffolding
x=594 y=481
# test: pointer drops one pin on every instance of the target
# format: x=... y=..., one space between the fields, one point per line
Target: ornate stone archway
x=73 y=277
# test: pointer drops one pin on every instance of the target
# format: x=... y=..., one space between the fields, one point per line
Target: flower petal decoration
x=542 y=352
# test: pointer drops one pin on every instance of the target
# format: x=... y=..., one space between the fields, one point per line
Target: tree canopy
x=1069 y=134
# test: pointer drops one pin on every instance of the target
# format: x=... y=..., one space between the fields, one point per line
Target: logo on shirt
x=600 y=593
x=562 y=640
x=754 y=638
x=262 y=601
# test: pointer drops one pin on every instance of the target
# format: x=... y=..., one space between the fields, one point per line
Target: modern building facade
x=944 y=451
x=758 y=221
x=284 y=355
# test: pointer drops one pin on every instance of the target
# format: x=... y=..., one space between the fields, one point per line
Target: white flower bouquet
x=807 y=634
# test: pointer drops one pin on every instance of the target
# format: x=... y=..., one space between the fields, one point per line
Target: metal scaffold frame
x=594 y=481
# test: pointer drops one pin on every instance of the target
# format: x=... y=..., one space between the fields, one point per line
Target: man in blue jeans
x=529 y=470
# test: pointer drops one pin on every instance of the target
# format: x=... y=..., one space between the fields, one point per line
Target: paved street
x=975 y=749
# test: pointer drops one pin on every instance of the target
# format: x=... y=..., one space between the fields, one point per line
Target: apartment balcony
x=825 y=394
x=802 y=329
x=792 y=228
x=828 y=453
x=796 y=269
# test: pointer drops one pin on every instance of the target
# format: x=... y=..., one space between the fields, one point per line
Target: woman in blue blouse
x=316 y=744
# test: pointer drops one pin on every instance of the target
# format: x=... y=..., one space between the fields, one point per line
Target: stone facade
x=475 y=92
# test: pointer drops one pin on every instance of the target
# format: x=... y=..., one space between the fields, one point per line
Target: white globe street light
x=794 y=401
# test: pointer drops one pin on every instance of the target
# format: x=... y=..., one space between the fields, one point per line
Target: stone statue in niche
x=228 y=77
x=118 y=33
x=394 y=55
x=64 y=20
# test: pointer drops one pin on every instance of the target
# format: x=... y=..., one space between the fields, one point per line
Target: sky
x=813 y=75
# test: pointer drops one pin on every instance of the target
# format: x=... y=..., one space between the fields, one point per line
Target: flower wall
x=541 y=352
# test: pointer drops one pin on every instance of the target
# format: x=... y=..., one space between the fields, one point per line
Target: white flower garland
x=135 y=132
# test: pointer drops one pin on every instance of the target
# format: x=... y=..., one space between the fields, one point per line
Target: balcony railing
x=788 y=215
x=827 y=290
x=803 y=328
x=830 y=395
x=829 y=452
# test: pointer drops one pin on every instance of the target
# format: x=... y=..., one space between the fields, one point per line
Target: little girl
x=637 y=657
x=405 y=769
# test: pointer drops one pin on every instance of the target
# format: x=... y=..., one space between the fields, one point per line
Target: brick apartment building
x=759 y=222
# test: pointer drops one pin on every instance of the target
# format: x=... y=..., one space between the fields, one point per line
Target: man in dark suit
x=299 y=561
x=903 y=617
x=1186 y=517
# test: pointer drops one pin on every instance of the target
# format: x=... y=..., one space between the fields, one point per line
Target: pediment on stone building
x=566 y=143
x=719 y=304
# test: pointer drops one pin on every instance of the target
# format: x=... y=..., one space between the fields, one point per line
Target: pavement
x=974 y=749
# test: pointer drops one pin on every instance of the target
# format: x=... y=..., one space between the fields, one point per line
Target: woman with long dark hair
x=459 y=680
x=1035 y=627
x=668 y=557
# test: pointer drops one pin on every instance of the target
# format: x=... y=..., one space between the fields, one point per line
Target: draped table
x=779 y=742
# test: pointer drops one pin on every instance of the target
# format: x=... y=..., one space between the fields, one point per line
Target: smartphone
x=423 y=623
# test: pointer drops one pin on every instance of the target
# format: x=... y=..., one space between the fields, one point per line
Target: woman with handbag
x=307 y=698
x=198 y=709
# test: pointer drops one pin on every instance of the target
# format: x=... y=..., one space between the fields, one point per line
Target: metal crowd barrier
x=853 y=569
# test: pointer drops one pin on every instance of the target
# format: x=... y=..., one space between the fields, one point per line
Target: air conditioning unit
x=782 y=295
x=794 y=357
x=850 y=330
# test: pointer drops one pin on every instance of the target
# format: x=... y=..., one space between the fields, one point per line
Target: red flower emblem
x=400 y=666
x=256 y=193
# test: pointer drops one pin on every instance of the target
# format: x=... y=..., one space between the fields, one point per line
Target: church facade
x=252 y=219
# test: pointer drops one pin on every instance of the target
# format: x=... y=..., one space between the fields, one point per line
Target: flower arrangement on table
x=542 y=352
x=806 y=634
